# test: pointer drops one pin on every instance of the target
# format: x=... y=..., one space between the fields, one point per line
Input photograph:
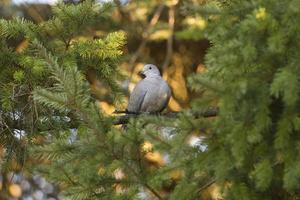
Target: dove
x=151 y=94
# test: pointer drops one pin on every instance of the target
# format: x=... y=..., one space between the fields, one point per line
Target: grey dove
x=151 y=94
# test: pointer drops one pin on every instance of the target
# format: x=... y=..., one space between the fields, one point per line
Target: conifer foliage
x=44 y=94
x=253 y=69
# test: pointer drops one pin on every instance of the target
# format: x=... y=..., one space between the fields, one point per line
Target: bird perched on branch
x=151 y=94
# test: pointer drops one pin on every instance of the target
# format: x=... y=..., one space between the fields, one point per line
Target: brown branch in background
x=170 y=39
x=35 y=14
x=124 y=119
x=124 y=15
x=145 y=36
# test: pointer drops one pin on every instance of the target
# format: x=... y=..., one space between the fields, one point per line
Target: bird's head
x=149 y=70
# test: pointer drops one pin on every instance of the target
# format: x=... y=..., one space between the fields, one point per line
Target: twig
x=140 y=180
x=153 y=191
x=124 y=119
x=69 y=178
x=125 y=112
x=145 y=35
x=206 y=185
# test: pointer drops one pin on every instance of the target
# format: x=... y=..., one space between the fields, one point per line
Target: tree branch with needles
x=124 y=119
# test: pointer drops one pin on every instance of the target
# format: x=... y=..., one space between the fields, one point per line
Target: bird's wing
x=167 y=92
x=137 y=98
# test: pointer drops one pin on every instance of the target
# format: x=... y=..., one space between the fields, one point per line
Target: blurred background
x=157 y=32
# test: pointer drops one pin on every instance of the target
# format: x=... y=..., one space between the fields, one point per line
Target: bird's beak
x=141 y=74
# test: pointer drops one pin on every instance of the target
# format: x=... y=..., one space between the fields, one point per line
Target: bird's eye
x=150 y=67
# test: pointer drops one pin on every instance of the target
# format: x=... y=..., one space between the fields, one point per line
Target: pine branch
x=124 y=119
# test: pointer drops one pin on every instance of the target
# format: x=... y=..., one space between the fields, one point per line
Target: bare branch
x=170 y=39
x=124 y=15
x=146 y=35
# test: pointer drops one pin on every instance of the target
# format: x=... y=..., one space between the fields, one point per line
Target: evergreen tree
x=55 y=43
x=253 y=71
